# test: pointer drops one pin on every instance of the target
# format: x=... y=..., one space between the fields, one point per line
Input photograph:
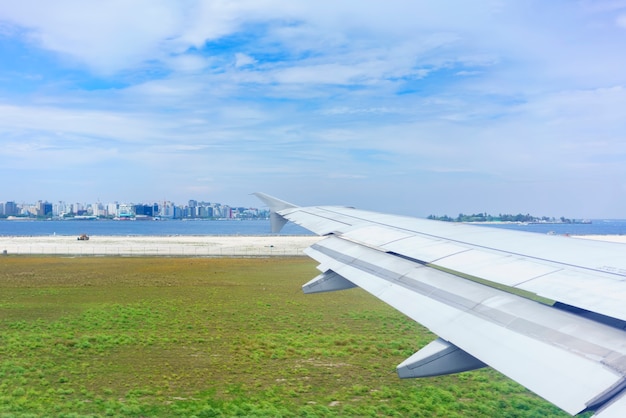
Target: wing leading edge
x=464 y=284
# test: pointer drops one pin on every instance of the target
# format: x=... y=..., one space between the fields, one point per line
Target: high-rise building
x=146 y=210
x=97 y=209
x=43 y=208
x=125 y=211
x=112 y=209
x=10 y=208
x=60 y=208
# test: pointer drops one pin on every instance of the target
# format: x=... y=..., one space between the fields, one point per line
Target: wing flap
x=614 y=409
x=506 y=269
x=424 y=249
x=591 y=290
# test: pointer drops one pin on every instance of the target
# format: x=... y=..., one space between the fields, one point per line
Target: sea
x=143 y=228
x=596 y=227
x=251 y=227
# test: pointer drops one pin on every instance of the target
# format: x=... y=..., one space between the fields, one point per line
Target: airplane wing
x=547 y=311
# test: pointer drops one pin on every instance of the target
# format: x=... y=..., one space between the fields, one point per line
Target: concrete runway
x=182 y=245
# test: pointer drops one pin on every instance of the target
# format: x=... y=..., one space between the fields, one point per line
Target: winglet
x=276 y=220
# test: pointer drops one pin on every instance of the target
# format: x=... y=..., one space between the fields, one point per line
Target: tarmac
x=177 y=245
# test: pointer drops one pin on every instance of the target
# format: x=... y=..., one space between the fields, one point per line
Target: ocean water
x=249 y=227
x=154 y=228
x=596 y=227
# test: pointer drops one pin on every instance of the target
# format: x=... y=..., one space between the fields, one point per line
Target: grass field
x=119 y=336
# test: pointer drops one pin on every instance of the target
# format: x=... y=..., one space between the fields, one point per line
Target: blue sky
x=402 y=106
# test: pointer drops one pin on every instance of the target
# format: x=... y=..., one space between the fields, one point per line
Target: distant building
x=146 y=210
x=43 y=209
x=125 y=211
x=97 y=209
x=77 y=209
x=60 y=208
x=10 y=209
x=166 y=210
x=190 y=212
x=111 y=209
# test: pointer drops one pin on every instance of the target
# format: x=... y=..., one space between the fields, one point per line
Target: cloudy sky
x=403 y=106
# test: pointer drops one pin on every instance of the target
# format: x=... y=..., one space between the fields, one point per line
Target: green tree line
x=485 y=217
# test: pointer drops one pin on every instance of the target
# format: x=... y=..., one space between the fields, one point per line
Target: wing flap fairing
x=438 y=358
x=329 y=281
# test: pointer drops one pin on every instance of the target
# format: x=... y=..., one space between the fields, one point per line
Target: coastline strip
x=180 y=245
x=176 y=245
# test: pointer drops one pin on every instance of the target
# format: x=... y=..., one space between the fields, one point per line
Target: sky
x=402 y=106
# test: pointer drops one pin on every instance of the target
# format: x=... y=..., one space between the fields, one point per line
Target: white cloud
x=298 y=94
x=107 y=37
x=188 y=63
x=242 y=60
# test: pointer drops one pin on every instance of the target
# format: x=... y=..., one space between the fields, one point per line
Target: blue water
x=249 y=227
x=597 y=227
x=159 y=228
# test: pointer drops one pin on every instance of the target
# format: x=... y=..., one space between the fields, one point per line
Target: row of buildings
x=115 y=210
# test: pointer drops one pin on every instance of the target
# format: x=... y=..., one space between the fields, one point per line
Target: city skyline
x=164 y=209
x=414 y=106
x=171 y=209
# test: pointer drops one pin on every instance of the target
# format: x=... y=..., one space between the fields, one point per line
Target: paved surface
x=208 y=246
x=179 y=245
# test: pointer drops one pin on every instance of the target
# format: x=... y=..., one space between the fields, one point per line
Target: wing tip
x=277 y=221
x=275 y=204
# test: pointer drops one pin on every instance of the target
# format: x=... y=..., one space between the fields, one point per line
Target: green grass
x=115 y=336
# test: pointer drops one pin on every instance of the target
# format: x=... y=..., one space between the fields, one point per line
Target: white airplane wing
x=547 y=311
